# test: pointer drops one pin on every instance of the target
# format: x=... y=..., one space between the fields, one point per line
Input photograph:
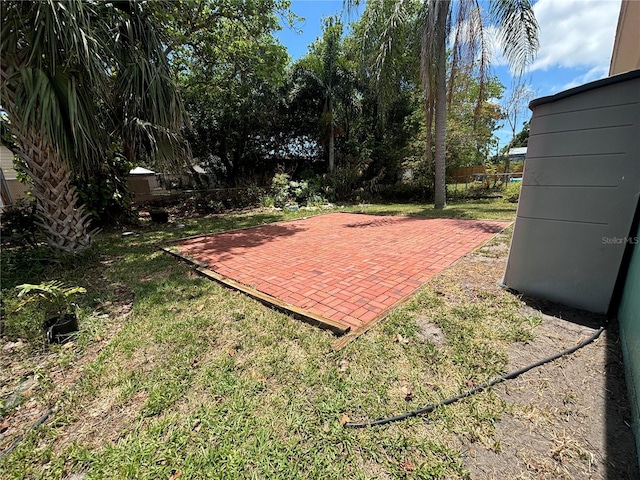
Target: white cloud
x=596 y=73
x=576 y=33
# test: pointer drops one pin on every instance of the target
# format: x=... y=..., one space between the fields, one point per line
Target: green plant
x=53 y=296
x=353 y=181
x=105 y=197
x=511 y=192
x=267 y=201
x=286 y=191
x=19 y=223
x=280 y=189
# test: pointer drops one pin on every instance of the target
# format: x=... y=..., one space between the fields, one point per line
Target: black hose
x=473 y=391
x=15 y=443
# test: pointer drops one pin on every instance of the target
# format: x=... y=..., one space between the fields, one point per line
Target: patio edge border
x=338 y=328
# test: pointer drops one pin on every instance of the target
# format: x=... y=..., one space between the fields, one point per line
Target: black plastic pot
x=61 y=329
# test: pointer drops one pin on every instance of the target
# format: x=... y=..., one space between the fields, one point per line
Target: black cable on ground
x=473 y=391
x=15 y=443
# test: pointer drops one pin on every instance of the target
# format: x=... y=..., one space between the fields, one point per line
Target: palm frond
x=518 y=31
x=54 y=66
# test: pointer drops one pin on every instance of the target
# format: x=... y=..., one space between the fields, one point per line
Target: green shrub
x=280 y=189
x=285 y=191
x=105 y=196
x=267 y=201
x=511 y=192
x=353 y=181
x=19 y=223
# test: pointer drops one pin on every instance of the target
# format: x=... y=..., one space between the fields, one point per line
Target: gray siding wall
x=580 y=188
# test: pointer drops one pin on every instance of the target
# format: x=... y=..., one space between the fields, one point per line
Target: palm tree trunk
x=332 y=153
x=65 y=226
x=440 y=124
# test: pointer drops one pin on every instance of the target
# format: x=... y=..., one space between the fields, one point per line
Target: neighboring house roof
x=517 y=151
x=141 y=171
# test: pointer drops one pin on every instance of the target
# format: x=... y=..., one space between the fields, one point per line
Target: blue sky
x=576 y=40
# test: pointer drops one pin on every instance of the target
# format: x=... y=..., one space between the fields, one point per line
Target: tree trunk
x=441 y=124
x=331 y=139
x=65 y=226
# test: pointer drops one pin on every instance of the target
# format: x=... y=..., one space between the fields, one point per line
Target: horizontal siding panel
x=583 y=142
x=603 y=117
x=581 y=170
x=620 y=94
x=597 y=205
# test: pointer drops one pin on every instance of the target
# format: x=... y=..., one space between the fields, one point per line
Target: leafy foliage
x=521 y=139
x=105 y=196
x=511 y=192
x=19 y=223
x=230 y=70
x=286 y=191
x=326 y=73
x=53 y=297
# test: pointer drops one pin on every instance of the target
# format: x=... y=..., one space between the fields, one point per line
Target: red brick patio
x=344 y=267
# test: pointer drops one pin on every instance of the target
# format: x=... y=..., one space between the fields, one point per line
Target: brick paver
x=343 y=266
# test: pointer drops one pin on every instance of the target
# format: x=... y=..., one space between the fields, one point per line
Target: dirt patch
x=430 y=332
x=568 y=419
x=101 y=421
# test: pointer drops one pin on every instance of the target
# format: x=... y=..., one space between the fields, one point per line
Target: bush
x=285 y=191
x=407 y=192
x=511 y=192
x=223 y=199
x=105 y=196
x=19 y=223
x=280 y=189
x=352 y=182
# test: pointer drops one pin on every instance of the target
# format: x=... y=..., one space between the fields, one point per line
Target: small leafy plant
x=53 y=297
x=512 y=192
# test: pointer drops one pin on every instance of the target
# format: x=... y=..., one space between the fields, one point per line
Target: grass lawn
x=197 y=381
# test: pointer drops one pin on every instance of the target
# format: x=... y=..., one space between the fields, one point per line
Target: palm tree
x=517 y=31
x=325 y=66
x=69 y=90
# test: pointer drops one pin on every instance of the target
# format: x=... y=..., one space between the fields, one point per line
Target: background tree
x=385 y=49
x=466 y=26
x=436 y=21
x=230 y=70
x=232 y=104
x=515 y=106
x=64 y=63
x=520 y=139
x=326 y=67
x=473 y=116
